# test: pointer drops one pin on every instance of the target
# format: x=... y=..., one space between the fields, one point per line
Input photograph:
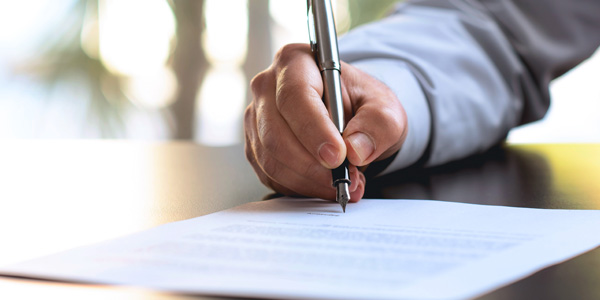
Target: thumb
x=378 y=127
x=374 y=133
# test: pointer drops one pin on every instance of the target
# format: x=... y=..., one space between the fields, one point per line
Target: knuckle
x=288 y=53
x=259 y=82
x=391 y=120
x=248 y=116
x=286 y=94
x=270 y=141
x=271 y=167
x=269 y=136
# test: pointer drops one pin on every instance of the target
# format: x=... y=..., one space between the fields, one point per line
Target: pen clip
x=312 y=35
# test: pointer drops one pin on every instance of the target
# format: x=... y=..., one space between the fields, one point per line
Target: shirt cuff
x=399 y=78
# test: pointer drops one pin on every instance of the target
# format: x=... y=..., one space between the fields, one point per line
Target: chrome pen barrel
x=332 y=96
x=327 y=55
x=323 y=40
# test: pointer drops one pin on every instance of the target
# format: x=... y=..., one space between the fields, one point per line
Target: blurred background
x=179 y=69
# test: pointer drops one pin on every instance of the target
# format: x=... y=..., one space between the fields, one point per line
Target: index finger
x=298 y=98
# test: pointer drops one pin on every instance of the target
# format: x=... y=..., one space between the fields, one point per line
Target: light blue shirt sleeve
x=464 y=72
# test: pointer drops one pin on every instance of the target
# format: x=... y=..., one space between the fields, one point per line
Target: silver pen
x=323 y=44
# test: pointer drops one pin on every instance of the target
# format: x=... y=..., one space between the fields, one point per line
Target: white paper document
x=307 y=248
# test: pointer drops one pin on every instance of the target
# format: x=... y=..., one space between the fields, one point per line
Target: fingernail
x=362 y=145
x=329 y=155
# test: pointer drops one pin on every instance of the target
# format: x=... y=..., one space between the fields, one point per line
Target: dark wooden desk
x=544 y=176
x=56 y=195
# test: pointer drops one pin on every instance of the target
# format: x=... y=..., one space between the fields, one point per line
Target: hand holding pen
x=323 y=44
x=291 y=141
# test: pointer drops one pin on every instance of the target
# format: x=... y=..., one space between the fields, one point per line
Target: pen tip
x=343 y=194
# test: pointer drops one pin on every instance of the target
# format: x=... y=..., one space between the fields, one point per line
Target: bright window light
x=135 y=35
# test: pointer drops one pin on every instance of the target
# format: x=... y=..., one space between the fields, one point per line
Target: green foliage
x=61 y=59
x=364 y=11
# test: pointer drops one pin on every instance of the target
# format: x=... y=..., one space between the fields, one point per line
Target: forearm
x=463 y=82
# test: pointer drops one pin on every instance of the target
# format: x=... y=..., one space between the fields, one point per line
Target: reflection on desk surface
x=544 y=176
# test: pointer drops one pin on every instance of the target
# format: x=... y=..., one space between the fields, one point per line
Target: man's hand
x=292 y=143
